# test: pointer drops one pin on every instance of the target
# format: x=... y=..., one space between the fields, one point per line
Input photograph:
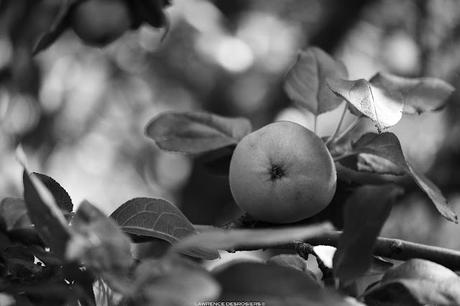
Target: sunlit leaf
x=274 y=285
x=219 y=239
x=387 y=146
x=156 y=218
x=45 y=214
x=418 y=94
x=365 y=213
x=382 y=107
x=196 y=132
x=305 y=82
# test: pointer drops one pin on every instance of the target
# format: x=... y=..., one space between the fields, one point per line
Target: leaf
x=14 y=213
x=217 y=162
x=45 y=214
x=305 y=82
x=387 y=146
x=159 y=219
x=60 y=195
x=150 y=11
x=172 y=281
x=293 y=261
x=382 y=107
x=418 y=94
x=416 y=291
x=365 y=213
x=59 y=25
x=98 y=242
x=273 y=285
x=196 y=132
x=218 y=239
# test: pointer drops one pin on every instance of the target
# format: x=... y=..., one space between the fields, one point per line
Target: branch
x=385 y=247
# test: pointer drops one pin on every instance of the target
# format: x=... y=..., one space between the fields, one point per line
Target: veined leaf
x=382 y=107
x=305 y=82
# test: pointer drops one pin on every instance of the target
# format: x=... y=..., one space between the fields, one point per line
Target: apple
x=419 y=269
x=282 y=173
x=100 y=22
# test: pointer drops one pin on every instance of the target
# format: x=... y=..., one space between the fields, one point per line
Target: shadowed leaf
x=196 y=132
x=13 y=211
x=305 y=82
x=387 y=146
x=274 y=285
x=418 y=94
x=159 y=219
x=61 y=196
x=365 y=213
x=45 y=214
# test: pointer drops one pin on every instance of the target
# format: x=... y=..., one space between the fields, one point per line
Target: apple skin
x=100 y=22
x=282 y=173
x=419 y=269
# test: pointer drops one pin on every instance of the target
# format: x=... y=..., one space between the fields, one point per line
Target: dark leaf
x=365 y=213
x=60 y=24
x=418 y=94
x=45 y=214
x=196 y=132
x=159 y=219
x=387 y=146
x=217 y=162
x=99 y=243
x=273 y=285
x=382 y=107
x=60 y=195
x=218 y=239
x=416 y=291
x=150 y=11
x=305 y=82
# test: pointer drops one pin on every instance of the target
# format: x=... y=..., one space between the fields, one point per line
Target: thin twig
x=348 y=129
x=386 y=247
x=304 y=249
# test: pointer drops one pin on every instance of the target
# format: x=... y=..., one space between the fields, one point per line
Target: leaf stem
x=339 y=125
x=315 y=123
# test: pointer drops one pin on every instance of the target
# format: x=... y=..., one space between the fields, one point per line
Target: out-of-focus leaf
x=60 y=195
x=196 y=132
x=293 y=261
x=99 y=243
x=13 y=212
x=382 y=107
x=418 y=94
x=274 y=285
x=365 y=213
x=60 y=24
x=387 y=146
x=157 y=218
x=305 y=82
x=416 y=291
x=218 y=239
x=172 y=281
x=45 y=214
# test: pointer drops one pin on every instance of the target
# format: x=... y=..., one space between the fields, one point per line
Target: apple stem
x=315 y=123
x=339 y=125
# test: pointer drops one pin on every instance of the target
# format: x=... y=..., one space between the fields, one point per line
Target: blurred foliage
x=80 y=112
